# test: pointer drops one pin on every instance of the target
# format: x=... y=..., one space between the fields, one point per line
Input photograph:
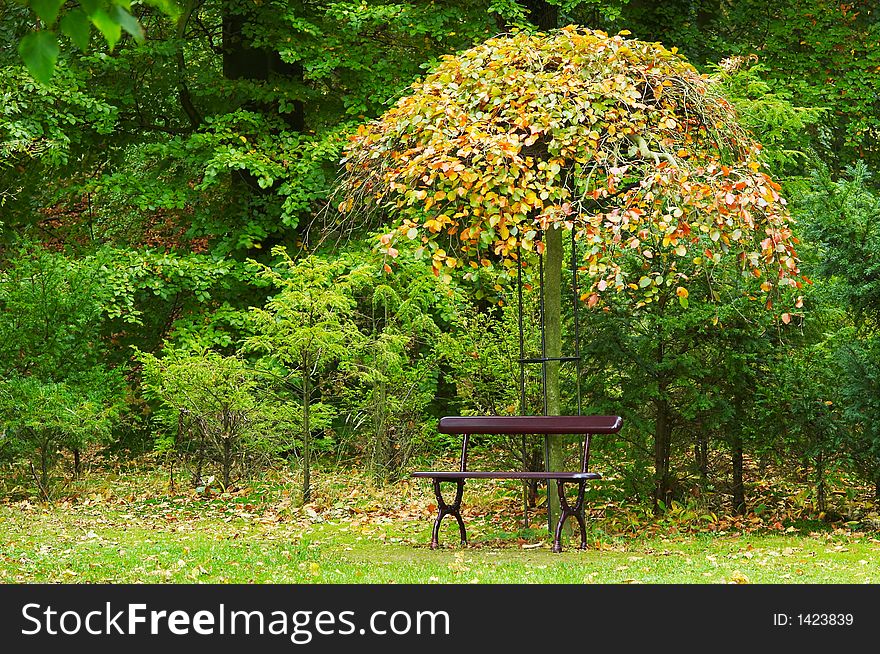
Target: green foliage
x=859 y=361
x=786 y=131
x=309 y=323
x=45 y=123
x=843 y=218
x=307 y=332
x=55 y=389
x=39 y=50
x=237 y=148
x=212 y=411
x=51 y=310
x=397 y=373
x=152 y=161
x=136 y=276
x=39 y=418
x=824 y=53
x=295 y=167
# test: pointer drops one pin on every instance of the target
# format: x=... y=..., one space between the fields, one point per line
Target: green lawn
x=372 y=535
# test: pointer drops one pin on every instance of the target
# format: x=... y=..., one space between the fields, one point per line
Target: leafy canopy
x=621 y=140
x=40 y=49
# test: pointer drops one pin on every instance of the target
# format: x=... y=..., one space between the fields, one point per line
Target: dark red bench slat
x=477 y=474
x=530 y=425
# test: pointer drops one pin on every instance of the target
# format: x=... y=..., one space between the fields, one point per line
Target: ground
x=128 y=526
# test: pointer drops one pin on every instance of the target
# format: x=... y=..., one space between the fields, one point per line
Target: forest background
x=180 y=300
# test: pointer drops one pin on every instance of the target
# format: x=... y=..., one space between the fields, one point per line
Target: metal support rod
x=465 y=441
x=522 y=345
x=543 y=324
x=577 y=331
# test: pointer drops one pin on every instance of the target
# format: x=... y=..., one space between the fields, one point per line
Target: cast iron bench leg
x=576 y=511
x=444 y=509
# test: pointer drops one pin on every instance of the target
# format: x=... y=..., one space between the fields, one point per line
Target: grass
x=118 y=529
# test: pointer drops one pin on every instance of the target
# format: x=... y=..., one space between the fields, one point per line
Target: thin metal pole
x=577 y=330
x=522 y=351
x=543 y=334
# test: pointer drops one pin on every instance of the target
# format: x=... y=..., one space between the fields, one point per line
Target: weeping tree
x=503 y=147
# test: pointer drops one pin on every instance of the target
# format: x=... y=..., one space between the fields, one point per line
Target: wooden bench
x=585 y=425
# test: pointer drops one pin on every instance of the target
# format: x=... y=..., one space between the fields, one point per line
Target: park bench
x=525 y=425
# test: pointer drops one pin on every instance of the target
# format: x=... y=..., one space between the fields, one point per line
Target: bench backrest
x=585 y=425
x=530 y=425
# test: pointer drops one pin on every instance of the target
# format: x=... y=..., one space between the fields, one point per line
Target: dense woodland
x=178 y=283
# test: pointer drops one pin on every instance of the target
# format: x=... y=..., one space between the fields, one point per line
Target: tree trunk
x=877 y=489
x=242 y=61
x=227 y=461
x=43 y=481
x=307 y=437
x=662 y=450
x=552 y=291
x=200 y=458
x=542 y=14
x=701 y=454
x=382 y=446
x=662 y=422
x=76 y=462
x=546 y=17
x=739 y=489
x=535 y=463
x=183 y=93
x=820 y=482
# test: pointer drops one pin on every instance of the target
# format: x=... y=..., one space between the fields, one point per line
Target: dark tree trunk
x=43 y=478
x=200 y=456
x=739 y=491
x=241 y=61
x=542 y=14
x=820 y=483
x=662 y=451
x=183 y=93
x=877 y=489
x=227 y=461
x=76 y=462
x=701 y=453
x=536 y=464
